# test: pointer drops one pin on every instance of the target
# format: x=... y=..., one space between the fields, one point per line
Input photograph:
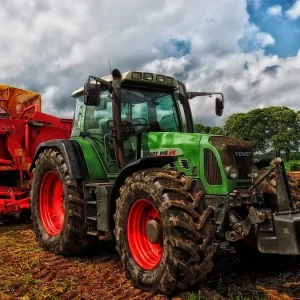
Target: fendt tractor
x=130 y=173
x=22 y=128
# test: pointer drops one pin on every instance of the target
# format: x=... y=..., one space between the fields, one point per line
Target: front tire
x=57 y=206
x=164 y=231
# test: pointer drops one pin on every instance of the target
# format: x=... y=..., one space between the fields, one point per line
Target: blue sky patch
x=176 y=48
x=284 y=30
x=182 y=46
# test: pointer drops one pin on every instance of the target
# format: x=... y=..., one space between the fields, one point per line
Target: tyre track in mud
x=98 y=278
x=27 y=271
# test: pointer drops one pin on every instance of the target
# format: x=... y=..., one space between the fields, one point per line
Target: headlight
x=232 y=172
x=253 y=172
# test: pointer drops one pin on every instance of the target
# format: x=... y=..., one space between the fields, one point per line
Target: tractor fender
x=138 y=165
x=72 y=154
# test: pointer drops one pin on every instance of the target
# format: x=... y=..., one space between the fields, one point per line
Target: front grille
x=211 y=169
x=185 y=164
x=244 y=163
x=234 y=152
x=172 y=165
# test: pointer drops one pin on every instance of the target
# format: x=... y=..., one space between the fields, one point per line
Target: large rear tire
x=57 y=206
x=164 y=231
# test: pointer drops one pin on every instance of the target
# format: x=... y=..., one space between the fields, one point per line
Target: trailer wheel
x=57 y=206
x=164 y=231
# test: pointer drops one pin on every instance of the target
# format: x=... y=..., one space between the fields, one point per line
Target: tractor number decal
x=162 y=152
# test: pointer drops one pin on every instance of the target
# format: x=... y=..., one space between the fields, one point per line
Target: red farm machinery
x=22 y=128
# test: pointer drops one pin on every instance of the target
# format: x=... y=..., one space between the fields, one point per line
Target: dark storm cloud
x=52 y=46
x=53 y=33
x=39 y=77
x=271 y=70
x=204 y=119
x=254 y=83
x=232 y=96
x=191 y=65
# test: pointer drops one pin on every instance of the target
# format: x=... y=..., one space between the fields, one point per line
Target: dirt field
x=27 y=272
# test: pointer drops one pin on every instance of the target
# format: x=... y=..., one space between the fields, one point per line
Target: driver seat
x=103 y=127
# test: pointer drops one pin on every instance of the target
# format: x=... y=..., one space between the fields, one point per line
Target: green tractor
x=132 y=173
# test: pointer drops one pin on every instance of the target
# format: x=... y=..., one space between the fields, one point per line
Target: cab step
x=91 y=202
x=93 y=233
x=92 y=219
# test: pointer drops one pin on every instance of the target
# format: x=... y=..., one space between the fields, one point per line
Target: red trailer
x=22 y=127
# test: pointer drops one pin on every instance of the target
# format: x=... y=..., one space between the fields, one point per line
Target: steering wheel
x=143 y=119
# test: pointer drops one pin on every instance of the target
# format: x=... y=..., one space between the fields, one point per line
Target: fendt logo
x=243 y=153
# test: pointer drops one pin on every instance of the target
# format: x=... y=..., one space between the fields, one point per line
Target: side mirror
x=219 y=106
x=92 y=92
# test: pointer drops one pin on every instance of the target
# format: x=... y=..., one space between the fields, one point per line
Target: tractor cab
x=143 y=110
x=144 y=103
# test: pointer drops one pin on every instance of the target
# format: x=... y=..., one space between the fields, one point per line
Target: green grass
x=196 y=296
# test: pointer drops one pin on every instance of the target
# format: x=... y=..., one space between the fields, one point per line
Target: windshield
x=144 y=109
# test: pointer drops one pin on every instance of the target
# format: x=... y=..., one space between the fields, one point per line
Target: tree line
x=272 y=129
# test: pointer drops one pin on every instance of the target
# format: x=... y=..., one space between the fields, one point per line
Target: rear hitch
x=260 y=180
x=284 y=199
x=242 y=228
x=285 y=202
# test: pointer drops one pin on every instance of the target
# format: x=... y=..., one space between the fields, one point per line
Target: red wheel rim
x=52 y=209
x=146 y=254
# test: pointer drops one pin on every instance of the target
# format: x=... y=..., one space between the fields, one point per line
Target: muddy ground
x=27 y=272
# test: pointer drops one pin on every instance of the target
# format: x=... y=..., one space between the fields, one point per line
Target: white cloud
x=52 y=47
x=294 y=11
x=255 y=3
x=275 y=10
x=264 y=39
x=255 y=39
x=244 y=89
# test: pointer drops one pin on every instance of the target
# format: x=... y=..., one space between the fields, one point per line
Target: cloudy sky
x=249 y=50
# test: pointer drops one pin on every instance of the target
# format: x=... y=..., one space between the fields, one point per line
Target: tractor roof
x=140 y=77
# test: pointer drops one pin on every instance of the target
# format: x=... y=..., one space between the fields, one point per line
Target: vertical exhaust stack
x=116 y=110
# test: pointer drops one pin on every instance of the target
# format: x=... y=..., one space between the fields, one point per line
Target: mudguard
x=72 y=153
x=138 y=165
